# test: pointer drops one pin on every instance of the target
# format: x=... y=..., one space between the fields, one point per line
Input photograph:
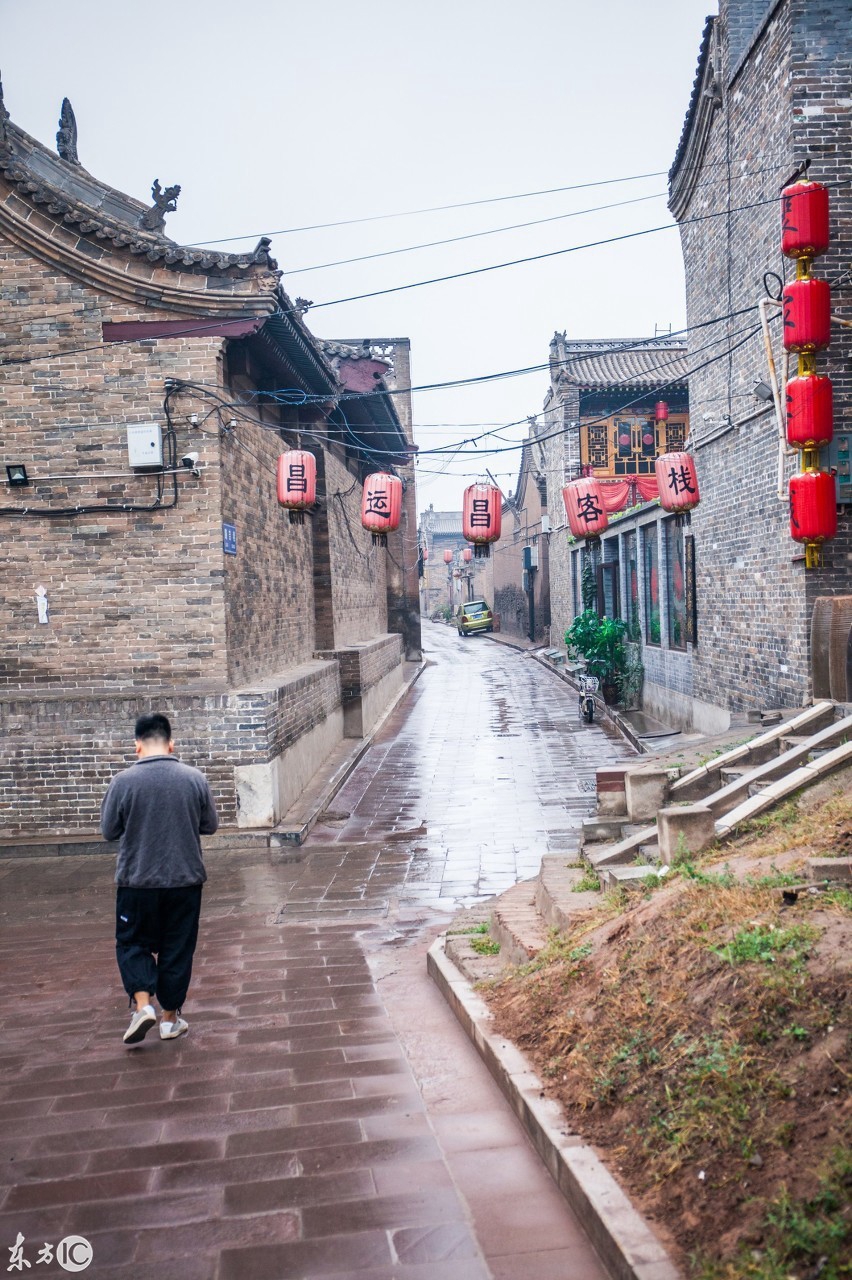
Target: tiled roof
x=442 y=522
x=606 y=362
x=100 y=213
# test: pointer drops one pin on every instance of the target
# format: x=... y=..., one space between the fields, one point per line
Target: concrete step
x=700 y=782
x=517 y=925
x=556 y=896
x=596 y=829
x=622 y=852
x=730 y=795
x=732 y=774
x=783 y=787
x=627 y=877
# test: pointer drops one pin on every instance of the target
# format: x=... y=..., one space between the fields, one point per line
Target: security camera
x=190 y=461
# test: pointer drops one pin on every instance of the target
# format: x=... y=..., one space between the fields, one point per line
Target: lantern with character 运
x=381 y=505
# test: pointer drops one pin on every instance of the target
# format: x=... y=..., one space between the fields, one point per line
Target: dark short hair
x=151 y=726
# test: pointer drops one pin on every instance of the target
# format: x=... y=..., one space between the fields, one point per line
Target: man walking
x=157 y=809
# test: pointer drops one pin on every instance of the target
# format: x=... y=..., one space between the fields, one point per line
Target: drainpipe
x=776 y=390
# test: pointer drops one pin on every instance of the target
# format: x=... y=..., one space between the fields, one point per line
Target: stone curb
x=622 y=1237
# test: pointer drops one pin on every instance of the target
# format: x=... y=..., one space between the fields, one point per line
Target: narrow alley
x=326 y=1116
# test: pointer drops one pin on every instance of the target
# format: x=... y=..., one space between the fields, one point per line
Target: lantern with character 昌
x=297 y=483
x=584 y=507
x=381 y=505
x=482 y=517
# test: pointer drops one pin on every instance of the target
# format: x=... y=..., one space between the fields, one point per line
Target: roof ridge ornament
x=66 y=138
x=4 y=116
x=154 y=219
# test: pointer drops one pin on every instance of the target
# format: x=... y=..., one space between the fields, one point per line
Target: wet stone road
x=325 y=1116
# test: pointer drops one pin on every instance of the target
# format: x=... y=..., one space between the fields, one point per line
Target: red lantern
x=297 y=482
x=677 y=482
x=807 y=314
x=482 y=518
x=810 y=411
x=448 y=557
x=584 y=506
x=381 y=504
x=661 y=411
x=425 y=553
x=804 y=220
x=467 y=555
x=813 y=512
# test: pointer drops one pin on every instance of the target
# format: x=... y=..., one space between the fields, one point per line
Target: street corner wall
x=269 y=609
x=358 y=570
x=134 y=597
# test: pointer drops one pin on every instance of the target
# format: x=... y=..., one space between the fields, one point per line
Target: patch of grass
x=766 y=944
x=838 y=897
x=485 y=946
x=483 y=927
x=801 y=1237
x=588 y=883
x=719 y=879
x=785 y=815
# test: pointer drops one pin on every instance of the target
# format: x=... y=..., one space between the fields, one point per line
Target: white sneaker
x=140 y=1024
x=171 y=1030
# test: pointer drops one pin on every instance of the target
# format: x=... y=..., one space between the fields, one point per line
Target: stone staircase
x=652 y=815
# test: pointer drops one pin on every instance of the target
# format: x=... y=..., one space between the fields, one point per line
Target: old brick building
x=183 y=588
x=772 y=91
x=603 y=391
x=520 y=557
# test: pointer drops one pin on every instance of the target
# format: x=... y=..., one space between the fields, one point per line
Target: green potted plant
x=601 y=643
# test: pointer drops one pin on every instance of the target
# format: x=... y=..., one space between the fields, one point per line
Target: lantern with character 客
x=297 y=483
x=482 y=517
x=585 y=508
x=381 y=505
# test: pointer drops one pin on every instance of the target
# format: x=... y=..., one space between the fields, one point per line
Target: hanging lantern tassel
x=380 y=539
x=482 y=550
x=297 y=517
x=813 y=513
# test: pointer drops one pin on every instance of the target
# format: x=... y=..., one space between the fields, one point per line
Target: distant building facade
x=447 y=585
x=521 y=566
x=599 y=420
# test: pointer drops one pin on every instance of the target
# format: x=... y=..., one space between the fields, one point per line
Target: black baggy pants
x=155 y=935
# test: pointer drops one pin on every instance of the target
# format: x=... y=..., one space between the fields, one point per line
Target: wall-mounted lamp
x=16 y=474
x=762 y=390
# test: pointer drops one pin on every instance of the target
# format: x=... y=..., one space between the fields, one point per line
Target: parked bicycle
x=588 y=689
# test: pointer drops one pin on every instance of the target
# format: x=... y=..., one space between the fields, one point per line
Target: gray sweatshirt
x=156 y=809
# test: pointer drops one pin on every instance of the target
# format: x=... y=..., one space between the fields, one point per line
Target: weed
x=719 y=879
x=784 y=816
x=472 y=928
x=764 y=944
x=587 y=883
x=775 y=879
x=800 y=1237
x=838 y=897
x=796 y=1033
x=485 y=946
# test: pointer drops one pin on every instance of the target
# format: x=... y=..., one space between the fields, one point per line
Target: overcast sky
x=274 y=115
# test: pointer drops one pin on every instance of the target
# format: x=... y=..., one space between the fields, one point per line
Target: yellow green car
x=474 y=616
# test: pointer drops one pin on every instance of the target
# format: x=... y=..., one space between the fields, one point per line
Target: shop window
x=651 y=565
x=630 y=611
x=676 y=584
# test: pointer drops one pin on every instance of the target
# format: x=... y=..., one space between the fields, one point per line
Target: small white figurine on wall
x=41 y=603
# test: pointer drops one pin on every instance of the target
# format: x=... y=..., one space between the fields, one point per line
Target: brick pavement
x=325 y=1116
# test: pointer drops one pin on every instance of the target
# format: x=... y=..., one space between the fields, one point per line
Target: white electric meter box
x=145 y=445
